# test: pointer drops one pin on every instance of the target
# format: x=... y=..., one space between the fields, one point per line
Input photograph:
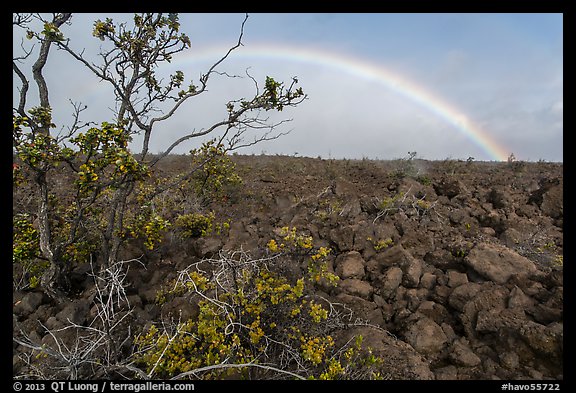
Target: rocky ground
x=459 y=263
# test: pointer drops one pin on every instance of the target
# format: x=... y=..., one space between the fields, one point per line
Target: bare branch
x=21 y=20
x=23 y=91
x=76 y=125
x=38 y=66
x=243 y=365
x=97 y=343
x=204 y=78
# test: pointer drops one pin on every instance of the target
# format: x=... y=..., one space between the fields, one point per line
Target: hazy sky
x=379 y=85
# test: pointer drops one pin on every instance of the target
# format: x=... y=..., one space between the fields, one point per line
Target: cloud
x=557 y=108
x=509 y=87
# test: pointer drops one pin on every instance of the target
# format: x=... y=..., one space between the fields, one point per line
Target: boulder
x=356 y=287
x=441 y=259
x=448 y=187
x=498 y=263
x=449 y=332
x=462 y=355
x=181 y=308
x=352 y=208
x=549 y=197
x=399 y=360
x=509 y=360
x=544 y=340
x=519 y=299
x=350 y=265
x=284 y=201
x=343 y=237
x=53 y=323
x=494 y=321
x=417 y=241
x=74 y=312
x=512 y=237
x=437 y=312
x=458 y=216
x=498 y=198
x=29 y=303
x=426 y=336
x=428 y=280
x=411 y=267
x=462 y=294
x=441 y=294
x=238 y=237
x=491 y=297
x=446 y=373
x=362 y=308
x=544 y=314
x=553 y=202
x=207 y=247
x=455 y=279
x=390 y=282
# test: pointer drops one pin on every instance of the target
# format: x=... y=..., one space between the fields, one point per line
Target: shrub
x=26 y=249
x=252 y=318
x=541 y=250
x=408 y=203
x=327 y=208
x=294 y=240
x=424 y=180
x=194 y=225
x=216 y=172
x=296 y=246
x=381 y=244
x=148 y=225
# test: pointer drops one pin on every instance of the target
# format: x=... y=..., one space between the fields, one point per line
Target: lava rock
x=498 y=263
x=426 y=336
x=350 y=265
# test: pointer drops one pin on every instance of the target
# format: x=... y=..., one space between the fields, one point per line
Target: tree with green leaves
x=90 y=216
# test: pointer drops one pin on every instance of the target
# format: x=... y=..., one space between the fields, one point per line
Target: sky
x=379 y=85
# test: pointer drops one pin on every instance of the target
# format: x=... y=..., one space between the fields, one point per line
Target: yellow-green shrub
x=194 y=225
x=381 y=244
x=248 y=314
x=297 y=245
x=216 y=172
x=148 y=225
x=26 y=248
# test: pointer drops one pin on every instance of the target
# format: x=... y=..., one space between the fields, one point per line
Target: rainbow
x=352 y=66
x=361 y=69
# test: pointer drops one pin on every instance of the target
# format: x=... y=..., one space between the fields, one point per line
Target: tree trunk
x=51 y=279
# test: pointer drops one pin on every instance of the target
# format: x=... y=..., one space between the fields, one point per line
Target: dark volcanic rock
x=453 y=273
x=462 y=355
x=448 y=187
x=350 y=265
x=400 y=360
x=390 y=282
x=356 y=287
x=426 y=336
x=551 y=186
x=462 y=294
x=456 y=279
x=74 y=312
x=498 y=263
x=410 y=266
x=29 y=303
